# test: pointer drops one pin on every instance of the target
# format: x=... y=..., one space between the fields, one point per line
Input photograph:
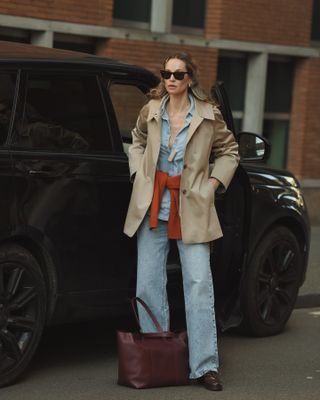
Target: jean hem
x=200 y=374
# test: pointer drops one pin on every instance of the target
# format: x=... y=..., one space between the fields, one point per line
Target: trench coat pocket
x=212 y=192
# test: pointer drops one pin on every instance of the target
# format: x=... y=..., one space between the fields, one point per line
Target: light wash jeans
x=153 y=248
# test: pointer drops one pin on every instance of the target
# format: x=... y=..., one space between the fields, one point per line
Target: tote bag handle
x=134 y=302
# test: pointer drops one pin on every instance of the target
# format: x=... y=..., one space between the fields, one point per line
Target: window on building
x=7 y=88
x=14 y=35
x=63 y=112
x=127 y=101
x=17 y=39
x=74 y=43
x=315 y=31
x=277 y=109
x=276 y=131
x=232 y=72
x=135 y=13
x=189 y=14
x=83 y=47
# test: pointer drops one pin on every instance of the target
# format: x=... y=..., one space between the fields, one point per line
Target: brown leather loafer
x=211 y=381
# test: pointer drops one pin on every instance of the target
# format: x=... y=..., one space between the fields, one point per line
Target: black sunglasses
x=178 y=75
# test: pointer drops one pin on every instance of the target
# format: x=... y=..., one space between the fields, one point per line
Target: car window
x=62 y=112
x=127 y=101
x=7 y=88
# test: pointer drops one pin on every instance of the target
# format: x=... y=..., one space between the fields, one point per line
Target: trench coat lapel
x=154 y=111
x=195 y=122
x=202 y=111
x=154 y=120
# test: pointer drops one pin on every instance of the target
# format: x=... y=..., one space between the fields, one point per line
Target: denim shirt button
x=184 y=191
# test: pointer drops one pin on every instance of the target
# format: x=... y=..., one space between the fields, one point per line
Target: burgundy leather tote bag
x=152 y=359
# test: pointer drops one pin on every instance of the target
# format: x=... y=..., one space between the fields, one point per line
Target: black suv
x=65 y=122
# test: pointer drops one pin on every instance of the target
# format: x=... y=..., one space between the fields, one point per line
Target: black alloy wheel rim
x=277 y=282
x=19 y=305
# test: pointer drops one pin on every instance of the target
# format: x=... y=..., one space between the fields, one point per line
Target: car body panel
x=278 y=194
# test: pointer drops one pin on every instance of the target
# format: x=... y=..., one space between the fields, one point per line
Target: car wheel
x=22 y=310
x=271 y=283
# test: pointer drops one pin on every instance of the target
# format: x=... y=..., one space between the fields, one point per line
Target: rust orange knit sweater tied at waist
x=163 y=180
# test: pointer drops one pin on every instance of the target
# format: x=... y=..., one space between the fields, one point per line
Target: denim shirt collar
x=203 y=109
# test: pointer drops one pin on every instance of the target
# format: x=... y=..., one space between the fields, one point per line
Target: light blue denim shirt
x=175 y=166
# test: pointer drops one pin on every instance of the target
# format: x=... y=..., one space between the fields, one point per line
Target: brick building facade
x=266 y=52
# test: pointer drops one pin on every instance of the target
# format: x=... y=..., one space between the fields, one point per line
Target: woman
x=173 y=198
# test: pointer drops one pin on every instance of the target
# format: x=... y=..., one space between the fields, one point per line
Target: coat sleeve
x=225 y=152
x=139 y=141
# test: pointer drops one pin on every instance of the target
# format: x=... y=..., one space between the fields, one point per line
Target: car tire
x=22 y=310
x=271 y=282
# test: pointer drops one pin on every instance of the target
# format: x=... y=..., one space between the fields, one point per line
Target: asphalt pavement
x=79 y=362
x=309 y=294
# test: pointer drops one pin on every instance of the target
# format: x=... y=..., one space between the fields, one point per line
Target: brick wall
x=96 y=12
x=304 y=140
x=151 y=54
x=274 y=21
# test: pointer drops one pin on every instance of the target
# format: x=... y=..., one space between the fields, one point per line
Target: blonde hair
x=160 y=91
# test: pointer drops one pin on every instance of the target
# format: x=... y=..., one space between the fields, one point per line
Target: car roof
x=26 y=54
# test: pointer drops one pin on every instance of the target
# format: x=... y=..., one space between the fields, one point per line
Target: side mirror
x=253 y=147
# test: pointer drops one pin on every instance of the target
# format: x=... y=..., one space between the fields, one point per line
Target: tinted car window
x=127 y=101
x=64 y=112
x=7 y=86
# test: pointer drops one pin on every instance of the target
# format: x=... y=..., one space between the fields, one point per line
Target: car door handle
x=39 y=172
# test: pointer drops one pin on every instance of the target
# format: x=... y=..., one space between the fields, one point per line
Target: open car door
x=219 y=94
x=228 y=252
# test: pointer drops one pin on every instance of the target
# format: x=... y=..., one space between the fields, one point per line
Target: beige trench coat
x=207 y=133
